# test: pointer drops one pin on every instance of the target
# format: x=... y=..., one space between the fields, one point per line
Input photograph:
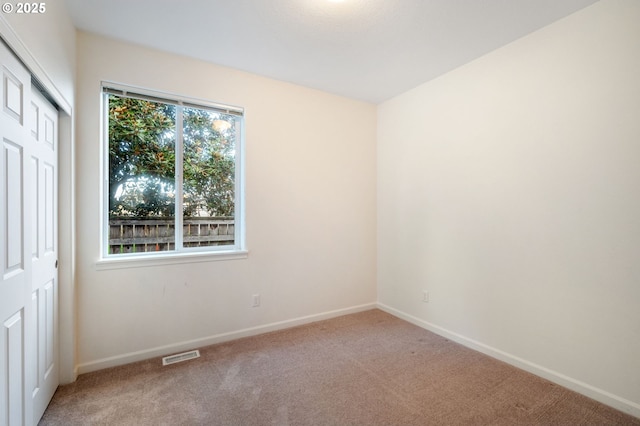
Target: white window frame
x=180 y=254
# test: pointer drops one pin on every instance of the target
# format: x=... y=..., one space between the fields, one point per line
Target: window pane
x=209 y=178
x=141 y=175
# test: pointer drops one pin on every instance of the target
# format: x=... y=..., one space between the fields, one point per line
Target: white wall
x=50 y=39
x=46 y=44
x=510 y=190
x=310 y=197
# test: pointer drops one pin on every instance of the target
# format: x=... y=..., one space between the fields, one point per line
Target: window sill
x=143 y=261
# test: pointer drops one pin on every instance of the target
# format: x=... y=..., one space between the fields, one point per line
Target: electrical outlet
x=256 y=300
x=425 y=296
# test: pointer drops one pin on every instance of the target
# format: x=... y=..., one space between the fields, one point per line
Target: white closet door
x=43 y=171
x=28 y=246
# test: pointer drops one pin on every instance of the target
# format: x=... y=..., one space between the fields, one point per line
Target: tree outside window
x=170 y=167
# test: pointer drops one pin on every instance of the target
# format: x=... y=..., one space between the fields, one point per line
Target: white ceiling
x=370 y=50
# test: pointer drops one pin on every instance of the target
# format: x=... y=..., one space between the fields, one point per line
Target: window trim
x=167 y=258
x=184 y=254
x=168 y=98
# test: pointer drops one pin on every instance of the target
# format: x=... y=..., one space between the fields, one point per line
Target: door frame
x=67 y=309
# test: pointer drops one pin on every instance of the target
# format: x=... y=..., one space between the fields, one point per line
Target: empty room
x=320 y=212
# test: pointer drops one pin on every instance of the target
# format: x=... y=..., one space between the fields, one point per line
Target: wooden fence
x=128 y=235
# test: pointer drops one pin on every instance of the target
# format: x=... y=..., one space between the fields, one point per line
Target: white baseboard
x=599 y=395
x=217 y=338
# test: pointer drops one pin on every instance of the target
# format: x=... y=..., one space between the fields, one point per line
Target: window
x=173 y=174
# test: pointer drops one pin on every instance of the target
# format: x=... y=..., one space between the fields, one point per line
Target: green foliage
x=209 y=164
x=142 y=144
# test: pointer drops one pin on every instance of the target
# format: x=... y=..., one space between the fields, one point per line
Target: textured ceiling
x=370 y=50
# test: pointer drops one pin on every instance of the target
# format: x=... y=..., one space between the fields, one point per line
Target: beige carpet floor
x=368 y=368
